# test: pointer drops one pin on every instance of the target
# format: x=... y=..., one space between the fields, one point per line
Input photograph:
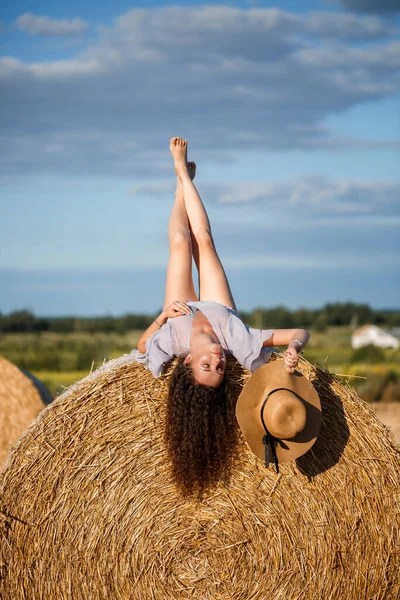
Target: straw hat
x=279 y=413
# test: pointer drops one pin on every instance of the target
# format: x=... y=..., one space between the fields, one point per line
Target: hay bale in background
x=89 y=509
x=20 y=404
x=44 y=393
x=389 y=413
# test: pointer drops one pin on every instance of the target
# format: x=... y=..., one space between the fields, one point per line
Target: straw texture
x=89 y=510
x=20 y=404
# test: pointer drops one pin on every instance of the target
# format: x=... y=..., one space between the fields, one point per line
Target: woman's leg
x=179 y=281
x=213 y=282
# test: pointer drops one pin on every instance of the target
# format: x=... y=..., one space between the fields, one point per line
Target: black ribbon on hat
x=268 y=439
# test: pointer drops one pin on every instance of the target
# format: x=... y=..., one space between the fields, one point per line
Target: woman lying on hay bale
x=201 y=430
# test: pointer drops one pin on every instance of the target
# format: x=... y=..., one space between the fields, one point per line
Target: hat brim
x=263 y=381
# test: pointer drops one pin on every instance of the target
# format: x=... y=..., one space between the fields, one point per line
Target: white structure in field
x=371 y=334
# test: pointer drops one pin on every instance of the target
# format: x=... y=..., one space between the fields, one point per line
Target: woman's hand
x=291 y=359
x=177 y=309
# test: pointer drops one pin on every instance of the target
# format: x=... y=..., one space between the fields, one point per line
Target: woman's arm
x=155 y=326
x=296 y=340
x=176 y=309
x=281 y=337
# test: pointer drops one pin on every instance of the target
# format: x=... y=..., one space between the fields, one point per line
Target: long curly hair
x=201 y=431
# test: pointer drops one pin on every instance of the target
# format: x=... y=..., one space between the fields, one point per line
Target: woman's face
x=208 y=364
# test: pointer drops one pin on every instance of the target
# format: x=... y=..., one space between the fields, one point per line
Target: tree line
x=332 y=314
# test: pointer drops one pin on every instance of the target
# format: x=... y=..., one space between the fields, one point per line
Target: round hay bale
x=20 y=404
x=89 y=509
x=44 y=393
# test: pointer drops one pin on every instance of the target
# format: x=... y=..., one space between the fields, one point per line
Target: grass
x=58 y=381
x=60 y=359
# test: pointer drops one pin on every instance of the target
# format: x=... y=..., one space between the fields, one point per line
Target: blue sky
x=292 y=114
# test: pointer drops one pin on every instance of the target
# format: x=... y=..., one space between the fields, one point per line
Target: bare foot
x=178 y=147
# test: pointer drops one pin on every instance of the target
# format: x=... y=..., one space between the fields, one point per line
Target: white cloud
x=65 y=68
x=42 y=25
x=328 y=196
x=356 y=58
x=324 y=196
x=235 y=79
x=325 y=219
x=185 y=22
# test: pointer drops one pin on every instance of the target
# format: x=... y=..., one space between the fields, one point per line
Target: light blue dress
x=236 y=338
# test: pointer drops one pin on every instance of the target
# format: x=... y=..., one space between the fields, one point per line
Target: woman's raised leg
x=213 y=282
x=179 y=280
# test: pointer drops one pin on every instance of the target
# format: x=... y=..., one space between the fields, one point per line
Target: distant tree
x=20 y=321
x=303 y=317
x=392 y=319
x=367 y=354
x=273 y=318
x=321 y=321
x=131 y=322
x=247 y=317
x=61 y=324
x=332 y=314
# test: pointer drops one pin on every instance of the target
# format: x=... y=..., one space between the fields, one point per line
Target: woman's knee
x=204 y=239
x=180 y=241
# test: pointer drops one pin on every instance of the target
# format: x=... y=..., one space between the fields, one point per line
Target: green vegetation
x=59 y=359
x=64 y=351
x=56 y=382
x=25 y=322
x=60 y=351
x=373 y=372
x=368 y=354
x=331 y=315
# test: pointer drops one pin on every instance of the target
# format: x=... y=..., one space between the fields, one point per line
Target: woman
x=201 y=430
